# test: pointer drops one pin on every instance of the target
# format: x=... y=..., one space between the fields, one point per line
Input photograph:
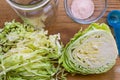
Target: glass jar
x=39 y=13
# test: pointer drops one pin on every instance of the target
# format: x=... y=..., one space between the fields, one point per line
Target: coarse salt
x=82 y=9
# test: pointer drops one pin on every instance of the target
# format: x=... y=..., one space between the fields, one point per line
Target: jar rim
x=28 y=7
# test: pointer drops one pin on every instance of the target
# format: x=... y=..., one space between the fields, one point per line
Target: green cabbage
x=92 y=51
x=28 y=54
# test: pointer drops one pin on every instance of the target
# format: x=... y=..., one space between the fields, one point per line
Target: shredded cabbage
x=28 y=54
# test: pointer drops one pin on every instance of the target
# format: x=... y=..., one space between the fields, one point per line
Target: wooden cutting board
x=67 y=28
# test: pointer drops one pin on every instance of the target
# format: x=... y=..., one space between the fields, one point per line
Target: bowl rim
x=82 y=21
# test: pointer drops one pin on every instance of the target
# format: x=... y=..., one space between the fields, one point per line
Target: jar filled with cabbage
x=39 y=13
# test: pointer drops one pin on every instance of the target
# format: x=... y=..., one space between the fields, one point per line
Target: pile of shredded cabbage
x=28 y=54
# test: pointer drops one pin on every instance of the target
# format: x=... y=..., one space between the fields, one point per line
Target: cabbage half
x=92 y=51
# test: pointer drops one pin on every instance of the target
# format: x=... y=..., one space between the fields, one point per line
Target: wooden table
x=68 y=28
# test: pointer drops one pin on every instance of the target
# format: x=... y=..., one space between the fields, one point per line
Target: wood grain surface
x=67 y=28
